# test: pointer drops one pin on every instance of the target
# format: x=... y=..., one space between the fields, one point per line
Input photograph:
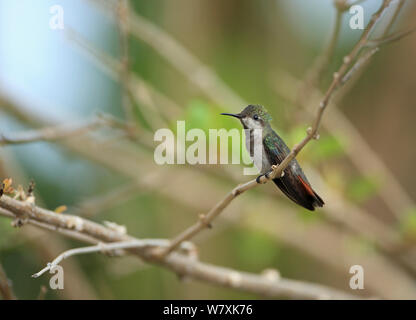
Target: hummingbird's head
x=252 y=117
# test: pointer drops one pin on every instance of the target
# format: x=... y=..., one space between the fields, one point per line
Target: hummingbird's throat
x=255 y=149
x=251 y=124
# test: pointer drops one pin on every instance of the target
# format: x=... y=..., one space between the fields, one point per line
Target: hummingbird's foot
x=274 y=167
x=258 y=178
x=267 y=175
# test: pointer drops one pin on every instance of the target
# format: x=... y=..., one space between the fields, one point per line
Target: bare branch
x=266 y=285
x=359 y=64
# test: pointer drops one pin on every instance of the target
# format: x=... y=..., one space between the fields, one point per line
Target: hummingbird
x=293 y=182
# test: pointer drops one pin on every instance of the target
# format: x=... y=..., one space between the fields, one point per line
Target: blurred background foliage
x=248 y=44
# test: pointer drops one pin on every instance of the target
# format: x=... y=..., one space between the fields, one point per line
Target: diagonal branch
x=394 y=187
x=394 y=195
x=205 y=220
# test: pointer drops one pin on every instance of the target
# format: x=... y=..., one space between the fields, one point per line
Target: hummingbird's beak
x=232 y=115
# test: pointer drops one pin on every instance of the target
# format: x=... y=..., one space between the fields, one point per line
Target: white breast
x=259 y=155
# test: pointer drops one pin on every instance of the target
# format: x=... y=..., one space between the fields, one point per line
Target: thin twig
x=122 y=13
x=359 y=64
x=391 y=38
x=322 y=62
x=107 y=247
x=53 y=133
x=396 y=13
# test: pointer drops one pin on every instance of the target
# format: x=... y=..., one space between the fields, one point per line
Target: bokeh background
x=254 y=52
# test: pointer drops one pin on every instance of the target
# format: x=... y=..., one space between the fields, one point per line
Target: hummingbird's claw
x=267 y=175
x=258 y=178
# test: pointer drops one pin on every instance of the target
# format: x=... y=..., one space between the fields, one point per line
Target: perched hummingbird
x=293 y=181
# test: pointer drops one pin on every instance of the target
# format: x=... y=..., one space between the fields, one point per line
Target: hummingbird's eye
x=256 y=117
